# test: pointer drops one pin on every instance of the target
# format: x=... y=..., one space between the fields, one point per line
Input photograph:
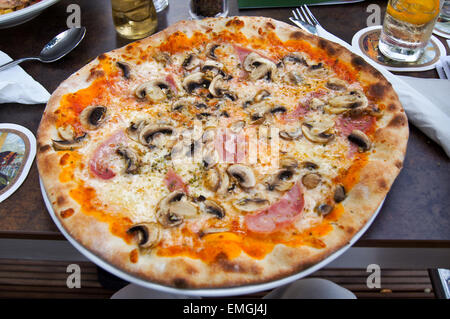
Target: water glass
x=160 y=5
x=407 y=28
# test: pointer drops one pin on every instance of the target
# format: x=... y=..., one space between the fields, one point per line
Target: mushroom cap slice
x=281 y=181
x=291 y=135
x=339 y=193
x=174 y=208
x=191 y=62
x=93 y=116
x=68 y=145
x=360 y=139
x=318 y=132
x=259 y=67
x=336 y=84
x=193 y=81
x=148 y=235
x=213 y=208
x=251 y=204
x=126 y=69
x=311 y=180
x=353 y=100
x=131 y=159
x=156 y=90
x=149 y=131
x=243 y=174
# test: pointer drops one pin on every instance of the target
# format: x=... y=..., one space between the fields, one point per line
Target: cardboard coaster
x=17 y=151
x=365 y=42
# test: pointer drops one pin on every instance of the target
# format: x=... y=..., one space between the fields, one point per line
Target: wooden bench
x=47 y=279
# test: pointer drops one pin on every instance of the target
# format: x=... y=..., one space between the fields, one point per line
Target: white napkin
x=17 y=86
x=422 y=112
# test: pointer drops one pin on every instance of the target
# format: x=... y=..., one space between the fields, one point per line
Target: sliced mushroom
x=316 y=103
x=93 y=116
x=70 y=144
x=295 y=77
x=217 y=87
x=339 y=194
x=317 y=71
x=251 y=204
x=237 y=126
x=191 y=62
x=173 y=208
x=243 y=174
x=281 y=181
x=163 y=57
x=324 y=209
x=360 y=139
x=310 y=165
x=213 y=68
x=210 y=157
x=259 y=67
x=194 y=81
x=148 y=132
x=212 y=179
x=291 y=135
x=126 y=69
x=156 y=90
x=213 y=208
x=289 y=163
x=353 y=100
x=147 y=235
x=297 y=58
x=311 y=180
x=318 y=131
x=336 y=84
x=211 y=51
x=258 y=112
x=131 y=159
x=135 y=128
x=261 y=95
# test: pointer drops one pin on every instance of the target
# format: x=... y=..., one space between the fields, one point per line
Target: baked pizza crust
x=376 y=178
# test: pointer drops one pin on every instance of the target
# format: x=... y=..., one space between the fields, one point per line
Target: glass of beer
x=407 y=28
x=134 y=19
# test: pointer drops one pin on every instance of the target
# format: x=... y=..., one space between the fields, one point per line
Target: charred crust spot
x=44 y=148
x=134 y=256
x=270 y=25
x=102 y=56
x=227 y=265
x=399 y=164
x=94 y=74
x=382 y=184
x=358 y=62
x=324 y=45
x=377 y=90
x=236 y=22
x=350 y=229
x=392 y=107
x=180 y=283
x=67 y=213
x=60 y=200
x=397 y=121
x=297 y=35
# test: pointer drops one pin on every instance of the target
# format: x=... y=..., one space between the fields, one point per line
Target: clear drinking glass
x=134 y=19
x=199 y=9
x=407 y=28
x=160 y=5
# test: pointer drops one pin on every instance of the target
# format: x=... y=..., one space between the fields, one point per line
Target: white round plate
x=205 y=292
x=23 y=15
x=435 y=50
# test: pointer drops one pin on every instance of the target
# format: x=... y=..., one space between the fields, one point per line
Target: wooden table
x=416 y=210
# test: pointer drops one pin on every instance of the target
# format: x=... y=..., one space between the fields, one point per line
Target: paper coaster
x=17 y=151
x=365 y=42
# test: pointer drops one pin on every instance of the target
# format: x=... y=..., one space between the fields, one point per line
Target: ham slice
x=175 y=182
x=280 y=214
x=98 y=164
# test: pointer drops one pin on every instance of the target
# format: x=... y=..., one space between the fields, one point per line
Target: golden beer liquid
x=134 y=19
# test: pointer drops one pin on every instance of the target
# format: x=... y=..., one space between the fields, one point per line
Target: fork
x=304 y=18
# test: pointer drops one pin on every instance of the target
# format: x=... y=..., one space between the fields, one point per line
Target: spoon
x=58 y=47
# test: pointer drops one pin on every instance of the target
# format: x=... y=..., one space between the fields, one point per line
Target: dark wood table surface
x=416 y=212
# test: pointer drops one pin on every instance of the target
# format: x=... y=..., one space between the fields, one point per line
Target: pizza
x=221 y=152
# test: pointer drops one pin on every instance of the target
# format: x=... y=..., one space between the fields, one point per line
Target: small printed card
x=17 y=151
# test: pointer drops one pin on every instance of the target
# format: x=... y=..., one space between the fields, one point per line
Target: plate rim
x=19 y=14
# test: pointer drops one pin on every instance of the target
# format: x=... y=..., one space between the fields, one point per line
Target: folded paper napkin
x=425 y=112
x=17 y=86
